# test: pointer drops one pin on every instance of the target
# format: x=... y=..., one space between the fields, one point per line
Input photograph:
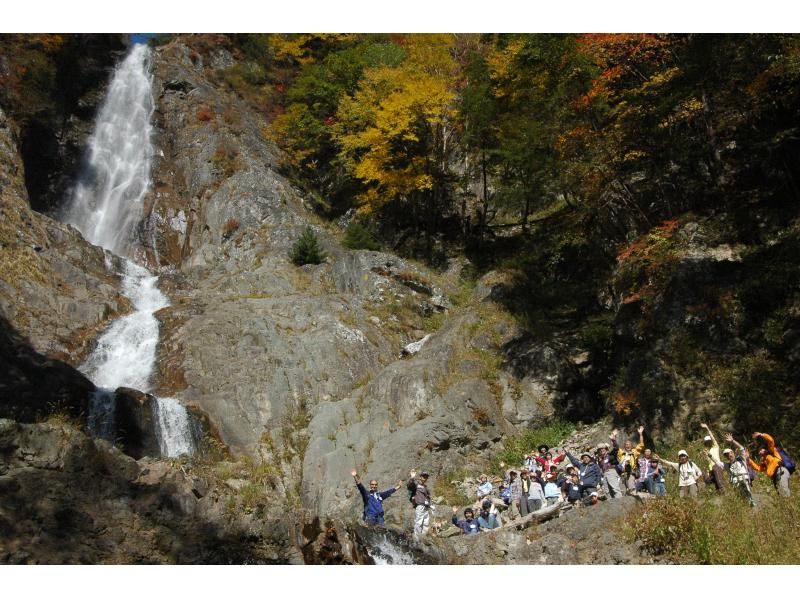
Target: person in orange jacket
x=771 y=464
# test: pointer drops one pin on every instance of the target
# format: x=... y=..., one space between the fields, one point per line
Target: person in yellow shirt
x=627 y=457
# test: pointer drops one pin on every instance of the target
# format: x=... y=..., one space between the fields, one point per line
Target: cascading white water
x=106 y=207
x=107 y=204
x=175 y=436
x=385 y=552
x=126 y=352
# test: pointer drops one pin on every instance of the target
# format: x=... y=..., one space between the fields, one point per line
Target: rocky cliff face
x=303 y=365
x=55 y=289
x=56 y=293
x=52 y=86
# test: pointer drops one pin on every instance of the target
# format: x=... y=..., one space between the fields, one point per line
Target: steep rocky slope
x=303 y=365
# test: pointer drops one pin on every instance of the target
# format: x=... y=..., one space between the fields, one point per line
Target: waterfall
x=107 y=206
x=386 y=552
x=126 y=352
x=174 y=431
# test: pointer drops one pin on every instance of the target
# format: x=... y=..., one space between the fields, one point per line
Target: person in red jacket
x=771 y=463
x=547 y=460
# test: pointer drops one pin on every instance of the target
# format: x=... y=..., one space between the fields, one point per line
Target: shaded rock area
x=68 y=499
x=32 y=385
x=330 y=543
x=135 y=423
x=53 y=85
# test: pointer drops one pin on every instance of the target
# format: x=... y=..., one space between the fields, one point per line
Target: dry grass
x=720 y=530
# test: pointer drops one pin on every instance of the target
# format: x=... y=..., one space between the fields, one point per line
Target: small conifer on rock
x=307 y=250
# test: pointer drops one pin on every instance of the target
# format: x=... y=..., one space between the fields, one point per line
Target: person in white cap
x=688 y=474
x=715 y=465
x=737 y=469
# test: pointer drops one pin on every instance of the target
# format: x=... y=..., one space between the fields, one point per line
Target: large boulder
x=135 y=423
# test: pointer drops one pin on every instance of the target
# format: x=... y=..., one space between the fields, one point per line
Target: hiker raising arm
x=714 y=460
x=373 y=500
x=771 y=464
x=421 y=500
x=688 y=474
x=628 y=456
x=737 y=469
x=469 y=525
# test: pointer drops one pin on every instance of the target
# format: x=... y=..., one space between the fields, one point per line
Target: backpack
x=412 y=490
x=751 y=473
x=788 y=462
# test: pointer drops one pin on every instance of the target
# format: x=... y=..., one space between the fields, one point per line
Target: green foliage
x=358 y=236
x=243 y=74
x=453 y=494
x=518 y=446
x=597 y=333
x=307 y=249
x=719 y=530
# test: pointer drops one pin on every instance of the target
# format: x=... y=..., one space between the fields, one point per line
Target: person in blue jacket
x=589 y=472
x=469 y=525
x=373 y=500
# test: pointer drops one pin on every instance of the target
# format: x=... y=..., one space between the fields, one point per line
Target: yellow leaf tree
x=395 y=132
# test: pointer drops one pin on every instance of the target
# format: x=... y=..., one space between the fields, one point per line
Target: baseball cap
x=726 y=451
x=707 y=439
x=683 y=453
x=424 y=474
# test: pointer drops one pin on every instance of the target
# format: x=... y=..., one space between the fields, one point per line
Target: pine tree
x=307 y=250
x=357 y=236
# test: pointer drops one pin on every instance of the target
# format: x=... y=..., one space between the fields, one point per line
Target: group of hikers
x=608 y=472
